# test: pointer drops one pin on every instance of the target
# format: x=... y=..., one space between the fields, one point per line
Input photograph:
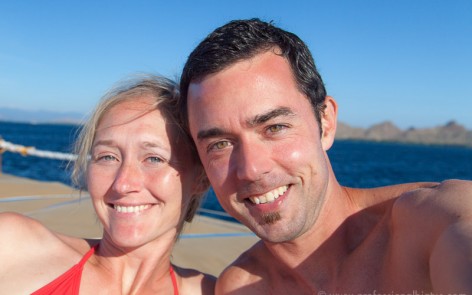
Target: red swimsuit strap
x=174 y=281
x=88 y=254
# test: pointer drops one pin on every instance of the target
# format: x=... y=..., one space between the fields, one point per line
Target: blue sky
x=407 y=61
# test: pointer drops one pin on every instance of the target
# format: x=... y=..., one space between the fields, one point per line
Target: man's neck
x=326 y=243
x=324 y=257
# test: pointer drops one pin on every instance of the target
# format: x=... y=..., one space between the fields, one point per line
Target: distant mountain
x=451 y=133
x=448 y=134
x=17 y=115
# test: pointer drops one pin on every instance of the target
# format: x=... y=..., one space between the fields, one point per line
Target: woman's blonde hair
x=166 y=95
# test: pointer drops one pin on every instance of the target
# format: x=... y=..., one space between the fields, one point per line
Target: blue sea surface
x=355 y=163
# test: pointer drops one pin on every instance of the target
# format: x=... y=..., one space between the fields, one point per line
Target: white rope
x=32 y=151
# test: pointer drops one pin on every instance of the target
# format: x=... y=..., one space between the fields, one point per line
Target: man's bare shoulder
x=437 y=222
x=446 y=201
x=422 y=215
x=245 y=274
x=379 y=195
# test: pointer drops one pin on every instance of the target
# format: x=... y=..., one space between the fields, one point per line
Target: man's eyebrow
x=257 y=120
x=263 y=118
x=209 y=133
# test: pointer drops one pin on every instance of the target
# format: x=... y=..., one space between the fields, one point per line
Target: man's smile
x=270 y=196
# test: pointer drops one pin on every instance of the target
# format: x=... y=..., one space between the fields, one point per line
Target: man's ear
x=328 y=122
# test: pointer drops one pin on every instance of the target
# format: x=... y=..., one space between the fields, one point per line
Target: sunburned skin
x=257 y=137
x=142 y=182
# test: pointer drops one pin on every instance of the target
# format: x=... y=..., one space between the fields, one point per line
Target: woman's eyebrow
x=152 y=144
x=103 y=142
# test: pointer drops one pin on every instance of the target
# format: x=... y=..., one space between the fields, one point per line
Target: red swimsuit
x=69 y=282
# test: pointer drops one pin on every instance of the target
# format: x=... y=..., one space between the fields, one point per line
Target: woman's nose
x=128 y=179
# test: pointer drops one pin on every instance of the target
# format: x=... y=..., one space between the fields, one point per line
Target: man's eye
x=219 y=145
x=276 y=128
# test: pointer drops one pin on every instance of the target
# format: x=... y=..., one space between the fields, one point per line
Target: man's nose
x=253 y=161
x=128 y=179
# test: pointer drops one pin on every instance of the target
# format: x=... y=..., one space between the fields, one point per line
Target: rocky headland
x=451 y=133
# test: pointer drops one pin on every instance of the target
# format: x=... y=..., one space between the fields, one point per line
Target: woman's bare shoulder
x=18 y=231
x=24 y=238
x=31 y=254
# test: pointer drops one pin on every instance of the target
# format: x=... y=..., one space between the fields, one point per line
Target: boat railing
x=6 y=146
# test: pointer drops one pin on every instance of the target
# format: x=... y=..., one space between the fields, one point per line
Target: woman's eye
x=155 y=160
x=106 y=158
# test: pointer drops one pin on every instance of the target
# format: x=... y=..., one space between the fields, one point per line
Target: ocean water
x=355 y=163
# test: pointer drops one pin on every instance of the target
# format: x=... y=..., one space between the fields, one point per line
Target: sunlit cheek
x=298 y=151
x=295 y=156
x=92 y=179
x=99 y=180
x=166 y=186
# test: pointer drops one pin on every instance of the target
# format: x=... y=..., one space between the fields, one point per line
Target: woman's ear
x=328 y=122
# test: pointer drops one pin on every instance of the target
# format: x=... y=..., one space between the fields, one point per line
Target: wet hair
x=243 y=39
x=166 y=98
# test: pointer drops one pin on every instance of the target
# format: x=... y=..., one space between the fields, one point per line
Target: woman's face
x=139 y=176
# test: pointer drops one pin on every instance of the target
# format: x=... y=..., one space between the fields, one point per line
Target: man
x=258 y=112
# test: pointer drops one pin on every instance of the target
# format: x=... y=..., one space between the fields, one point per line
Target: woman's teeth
x=130 y=209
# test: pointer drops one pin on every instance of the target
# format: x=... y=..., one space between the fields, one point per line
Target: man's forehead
x=243 y=92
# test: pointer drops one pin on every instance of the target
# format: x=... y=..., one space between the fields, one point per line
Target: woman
x=145 y=181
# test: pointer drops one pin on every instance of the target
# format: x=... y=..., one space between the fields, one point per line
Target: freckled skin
x=141 y=162
x=135 y=160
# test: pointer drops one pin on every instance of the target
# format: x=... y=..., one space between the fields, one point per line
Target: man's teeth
x=269 y=197
x=130 y=209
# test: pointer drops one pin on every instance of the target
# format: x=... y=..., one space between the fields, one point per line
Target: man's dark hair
x=243 y=39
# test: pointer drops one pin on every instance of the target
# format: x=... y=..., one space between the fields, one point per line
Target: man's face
x=259 y=142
